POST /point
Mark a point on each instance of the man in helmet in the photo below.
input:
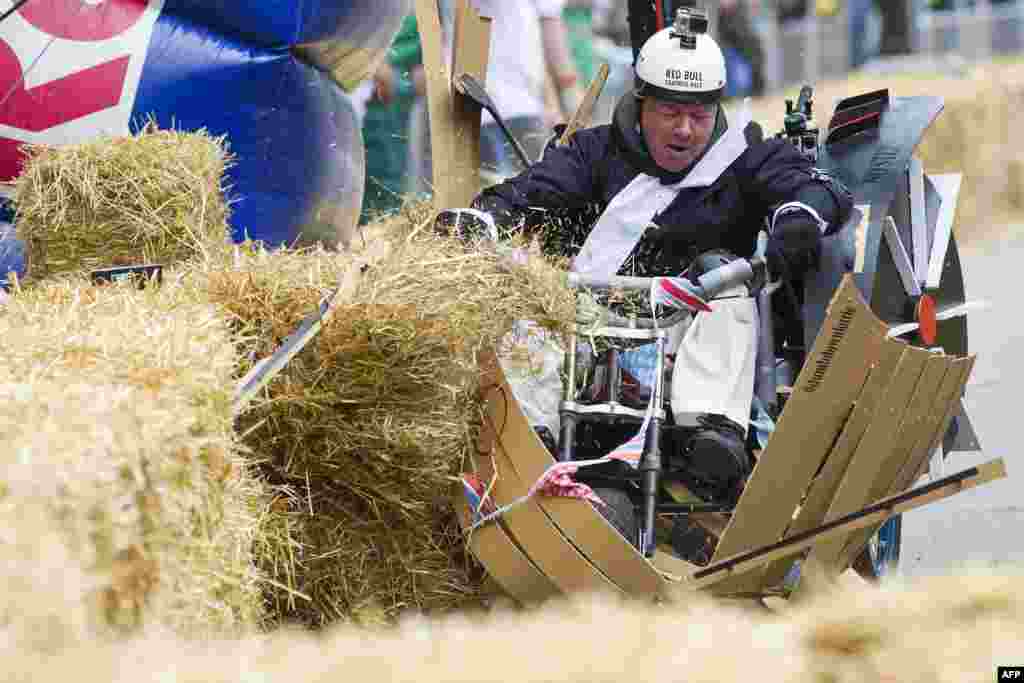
(672, 180)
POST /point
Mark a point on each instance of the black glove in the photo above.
(665, 248)
(469, 225)
(794, 246)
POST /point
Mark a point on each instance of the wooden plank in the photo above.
(930, 433)
(504, 562)
(914, 425)
(717, 575)
(531, 529)
(493, 547)
(918, 462)
(578, 521)
(537, 535)
(877, 450)
(471, 47)
(581, 119)
(439, 99)
(823, 488)
(850, 340)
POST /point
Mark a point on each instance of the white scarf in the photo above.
(627, 216)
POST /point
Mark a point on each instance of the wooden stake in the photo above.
(472, 42)
(454, 122)
(439, 93)
(581, 119)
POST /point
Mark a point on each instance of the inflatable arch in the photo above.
(271, 75)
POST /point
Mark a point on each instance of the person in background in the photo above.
(396, 83)
(791, 10)
(860, 44)
(578, 16)
(896, 28)
(529, 44)
(744, 53)
(610, 20)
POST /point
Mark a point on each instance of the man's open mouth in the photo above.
(678, 149)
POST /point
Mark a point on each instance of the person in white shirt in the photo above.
(528, 42)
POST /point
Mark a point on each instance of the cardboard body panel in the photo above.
(929, 434)
(939, 419)
(492, 546)
(503, 560)
(864, 415)
(915, 420)
(824, 487)
(879, 450)
(538, 537)
(714, 575)
(822, 398)
(589, 532)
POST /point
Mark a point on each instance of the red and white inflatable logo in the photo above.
(69, 71)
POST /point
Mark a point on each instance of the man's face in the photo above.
(676, 134)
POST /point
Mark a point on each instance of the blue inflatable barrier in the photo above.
(265, 74)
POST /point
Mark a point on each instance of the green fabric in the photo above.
(386, 128)
(580, 27)
(405, 54)
(406, 51)
(385, 160)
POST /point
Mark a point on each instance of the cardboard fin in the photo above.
(826, 483)
(880, 452)
(929, 434)
(832, 377)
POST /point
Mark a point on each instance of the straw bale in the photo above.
(945, 629)
(974, 135)
(153, 197)
(366, 428)
(123, 482)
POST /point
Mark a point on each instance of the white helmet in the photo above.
(682, 63)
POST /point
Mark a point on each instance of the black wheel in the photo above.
(619, 511)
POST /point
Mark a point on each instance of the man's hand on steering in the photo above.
(468, 225)
(794, 245)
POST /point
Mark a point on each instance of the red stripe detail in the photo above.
(11, 158)
(61, 100)
(659, 15)
(686, 297)
(859, 119)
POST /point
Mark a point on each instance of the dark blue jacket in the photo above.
(559, 198)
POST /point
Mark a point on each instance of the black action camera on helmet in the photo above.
(690, 22)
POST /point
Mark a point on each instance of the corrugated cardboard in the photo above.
(928, 435)
(833, 375)
(880, 452)
(504, 562)
(823, 488)
(529, 526)
(590, 532)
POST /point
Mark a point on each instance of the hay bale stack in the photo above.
(366, 428)
(975, 134)
(116, 437)
(154, 197)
